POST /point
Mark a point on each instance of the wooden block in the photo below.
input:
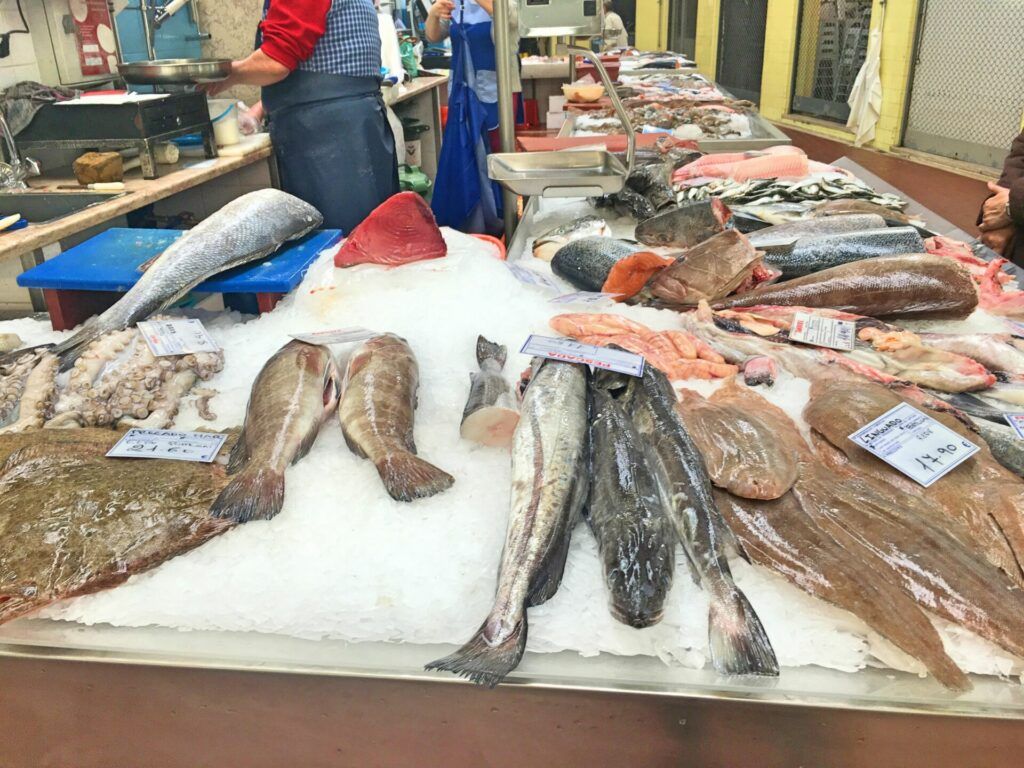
(99, 167)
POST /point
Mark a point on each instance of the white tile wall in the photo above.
(21, 64)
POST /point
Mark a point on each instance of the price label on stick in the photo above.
(176, 337)
(1016, 420)
(823, 331)
(337, 336)
(167, 444)
(570, 351)
(914, 443)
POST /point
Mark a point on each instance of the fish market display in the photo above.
(545, 246)
(1004, 442)
(816, 254)
(377, 411)
(400, 230)
(625, 511)
(587, 262)
(14, 372)
(792, 231)
(628, 202)
(782, 162)
(630, 274)
(681, 118)
(549, 488)
(684, 226)
(37, 396)
(55, 544)
(738, 642)
(294, 393)
(993, 350)
(853, 206)
(891, 286)
(811, 189)
(994, 295)
(707, 272)
(246, 229)
(490, 416)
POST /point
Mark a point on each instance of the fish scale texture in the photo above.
(342, 560)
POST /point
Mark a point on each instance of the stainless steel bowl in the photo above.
(175, 71)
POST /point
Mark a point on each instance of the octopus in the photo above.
(40, 390)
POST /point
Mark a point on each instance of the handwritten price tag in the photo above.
(822, 331)
(176, 337)
(1016, 420)
(167, 444)
(570, 351)
(914, 443)
(337, 336)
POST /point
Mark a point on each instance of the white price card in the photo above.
(1016, 420)
(914, 443)
(176, 337)
(167, 444)
(584, 297)
(570, 351)
(336, 336)
(823, 331)
(529, 277)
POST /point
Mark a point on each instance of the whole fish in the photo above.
(1004, 442)
(246, 229)
(628, 202)
(848, 206)
(685, 226)
(815, 254)
(490, 416)
(294, 393)
(993, 350)
(653, 181)
(625, 511)
(710, 270)
(549, 488)
(587, 262)
(76, 522)
(377, 412)
(913, 286)
(545, 246)
(738, 642)
(781, 235)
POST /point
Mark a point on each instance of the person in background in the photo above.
(464, 197)
(613, 30)
(318, 63)
(1001, 219)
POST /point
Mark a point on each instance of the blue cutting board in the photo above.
(110, 261)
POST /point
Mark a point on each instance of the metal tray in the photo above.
(585, 173)
(175, 71)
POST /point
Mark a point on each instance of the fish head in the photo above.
(634, 599)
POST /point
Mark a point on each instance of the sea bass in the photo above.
(625, 511)
(294, 393)
(246, 229)
(75, 522)
(490, 416)
(738, 642)
(910, 286)
(545, 246)
(782, 235)
(587, 262)
(377, 412)
(815, 254)
(685, 226)
(549, 488)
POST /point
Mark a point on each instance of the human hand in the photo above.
(442, 10)
(998, 239)
(250, 119)
(993, 210)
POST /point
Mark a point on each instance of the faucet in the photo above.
(14, 172)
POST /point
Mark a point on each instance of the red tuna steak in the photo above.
(400, 230)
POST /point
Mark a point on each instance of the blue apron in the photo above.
(464, 198)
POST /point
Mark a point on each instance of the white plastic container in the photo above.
(224, 114)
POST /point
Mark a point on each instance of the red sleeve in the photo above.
(292, 28)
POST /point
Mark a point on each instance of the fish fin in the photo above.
(489, 350)
(11, 607)
(691, 567)
(307, 443)
(483, 663)
(730, 544)
(739, 645)
(148, 263)
(408, 477)
(256, 493)
(70, 349)
(549, 577)
(239, 454)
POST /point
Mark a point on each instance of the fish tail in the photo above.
(739, 645)
(489, 350)
(70, 349)
(485, 663)
(408, 477)
(255, 493)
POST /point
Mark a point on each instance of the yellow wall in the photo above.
(780, 46)
(652, 25)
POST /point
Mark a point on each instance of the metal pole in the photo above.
(506, 118)
(147, 29)
(572, 59)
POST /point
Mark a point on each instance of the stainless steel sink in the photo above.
(43, 207)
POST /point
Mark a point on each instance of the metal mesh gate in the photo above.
(967, 93)
(741, 47)
(831, 46)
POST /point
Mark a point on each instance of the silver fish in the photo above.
(1005, 444)
(248, 228)
(815, 254)
(490, 416)
(546, 245)
(993, 350)
(738, 642)
(549, 487)
(786, 234)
